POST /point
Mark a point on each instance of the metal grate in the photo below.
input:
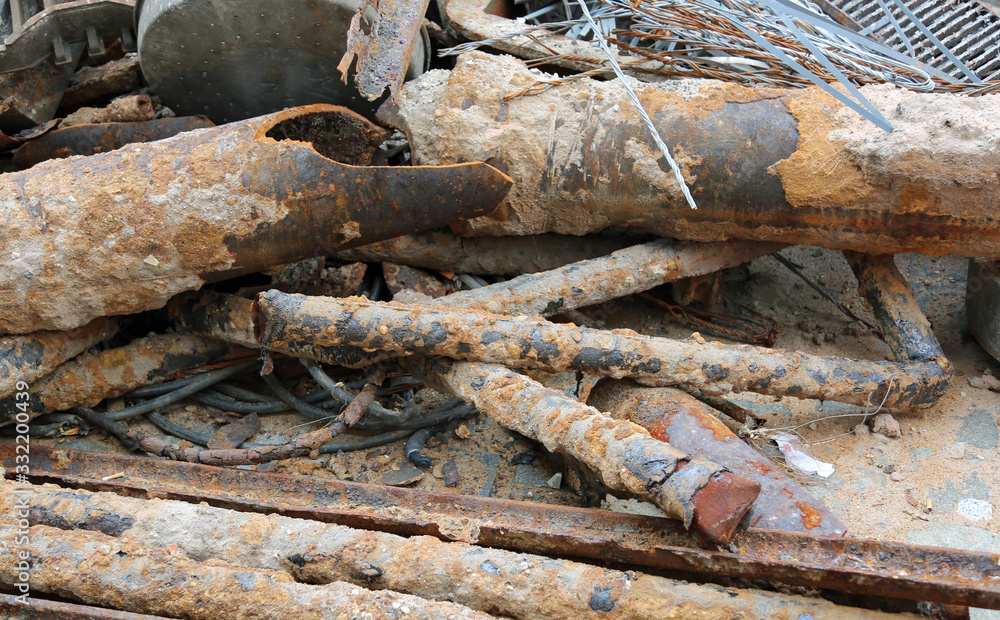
(967, 28)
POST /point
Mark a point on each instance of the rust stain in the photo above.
(811, 517)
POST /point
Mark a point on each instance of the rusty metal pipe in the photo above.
(671, 415)
(903, 325)
(505, 256)
(41, 609)
(786, 165)
(31, 356)
(227, 317)
(303, 325)
(849, 564)
(90, 139)
(122, 232)
(518, 585)
(91, 377)
(121, 572)
(697, 492)
(624, 272)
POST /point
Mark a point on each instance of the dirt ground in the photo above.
(922, 487)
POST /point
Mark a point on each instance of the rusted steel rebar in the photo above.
(849, 564)
(788, 165)
(41, 609)
(124, 573)
(903, 324)
(103, 235)
(505, 256)
(91, 377)
(31, 356)
(624, 272)
(303, 325)
(698, 492)
(227, 317)
(671, 415)
(100, 138)
(517, 585)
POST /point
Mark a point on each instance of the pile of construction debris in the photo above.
(387, 282)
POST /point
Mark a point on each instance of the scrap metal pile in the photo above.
(153, 262)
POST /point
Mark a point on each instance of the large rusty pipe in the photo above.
(305, 326)
(516, 585)
(687, 424)
(788, 165)
(698, 492)
(124, 231)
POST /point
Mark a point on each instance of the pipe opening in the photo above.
(343, 137)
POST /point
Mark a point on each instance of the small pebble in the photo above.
(954, 451)
(896, 476)
(555, 481)
(450, 470)
(463, 431)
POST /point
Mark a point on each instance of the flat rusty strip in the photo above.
(384, 54)
(857, 566)
(88, 139)
(42, 609)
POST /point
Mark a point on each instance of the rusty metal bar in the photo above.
(627, 271)
(103, 570)
(786, 165)
(103, 235)
(303, 325)
(91, 377)
(671, 415)
(849, 564)
(518, 585)
(91, 139)
(31, 356)
(901, 321)
(624, 456)
(42, 609)
(506, 256)
(383, 50)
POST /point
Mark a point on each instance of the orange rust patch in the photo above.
(810, 516)
(818, 174)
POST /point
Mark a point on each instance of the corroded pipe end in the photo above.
(720, 505)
